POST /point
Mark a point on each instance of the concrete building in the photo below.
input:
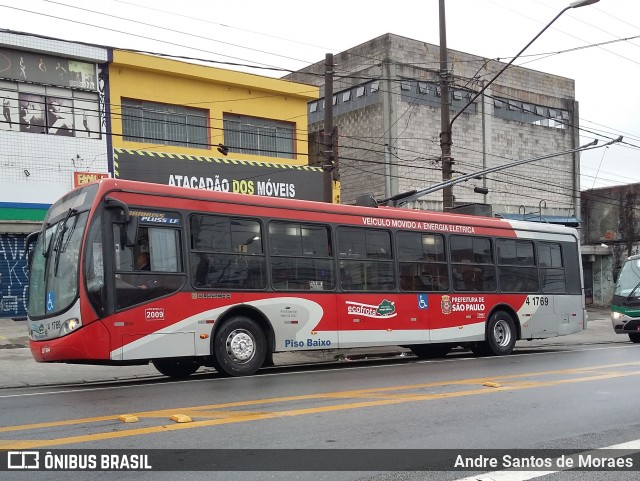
(51, 135)
(387, 108)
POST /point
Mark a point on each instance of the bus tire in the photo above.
(430, 351)
(634, 337)
(501, 334)
(239, 347)
(177, 368)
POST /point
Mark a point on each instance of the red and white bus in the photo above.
(234, 278)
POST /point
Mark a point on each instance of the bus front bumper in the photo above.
(89, 343)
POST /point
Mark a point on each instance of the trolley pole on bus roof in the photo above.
(446, 125)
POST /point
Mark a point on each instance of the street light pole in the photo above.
(447, 197)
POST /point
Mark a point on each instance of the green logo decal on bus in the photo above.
(386, 308)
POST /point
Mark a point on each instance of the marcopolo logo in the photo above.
(383, 310)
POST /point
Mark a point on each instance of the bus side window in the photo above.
(163, 274)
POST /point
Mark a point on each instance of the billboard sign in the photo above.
(81, 178)
(220, 174)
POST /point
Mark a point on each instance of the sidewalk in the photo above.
(18, 369)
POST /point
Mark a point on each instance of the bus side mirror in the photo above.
(132, 231)
(130, 221)
(28, 246)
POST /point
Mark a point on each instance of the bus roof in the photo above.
(110, 184)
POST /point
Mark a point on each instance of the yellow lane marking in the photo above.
(335, 395)
(371, 392)
(53, 424)
(382, 396)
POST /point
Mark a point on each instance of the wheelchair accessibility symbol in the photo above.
(50, 301)
(423, 301)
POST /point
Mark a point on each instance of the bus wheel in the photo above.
(239, 347)
(634, 337)
(501, 334)
(176, 368)
(430, 351)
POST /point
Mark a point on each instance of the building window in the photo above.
(531, 113)
(405, 85)
(457, 95)
(164, 124)
(49, 110)
(346, 96)
(313, 107)
(375, 86)
(423, 88)
(360, 91)
(254, 136)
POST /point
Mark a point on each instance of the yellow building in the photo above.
(178, 123)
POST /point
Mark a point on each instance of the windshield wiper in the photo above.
(62, 228)
(633, 291)
(73, 228)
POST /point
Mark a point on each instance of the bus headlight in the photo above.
(619, 316)
(70, 325)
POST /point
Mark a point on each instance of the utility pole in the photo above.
(445, 124)
(328, 140)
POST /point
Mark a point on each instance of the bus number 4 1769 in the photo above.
(538, 300)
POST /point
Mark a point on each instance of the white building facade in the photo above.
(52, 136)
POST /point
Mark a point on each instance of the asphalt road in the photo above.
(574, 397)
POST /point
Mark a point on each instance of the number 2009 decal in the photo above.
(154, 313)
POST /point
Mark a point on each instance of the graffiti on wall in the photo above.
(14, 281)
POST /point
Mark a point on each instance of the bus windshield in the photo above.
(53, 276)
(628, 284)
(53, 284)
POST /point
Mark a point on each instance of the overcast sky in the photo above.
(290, 34)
